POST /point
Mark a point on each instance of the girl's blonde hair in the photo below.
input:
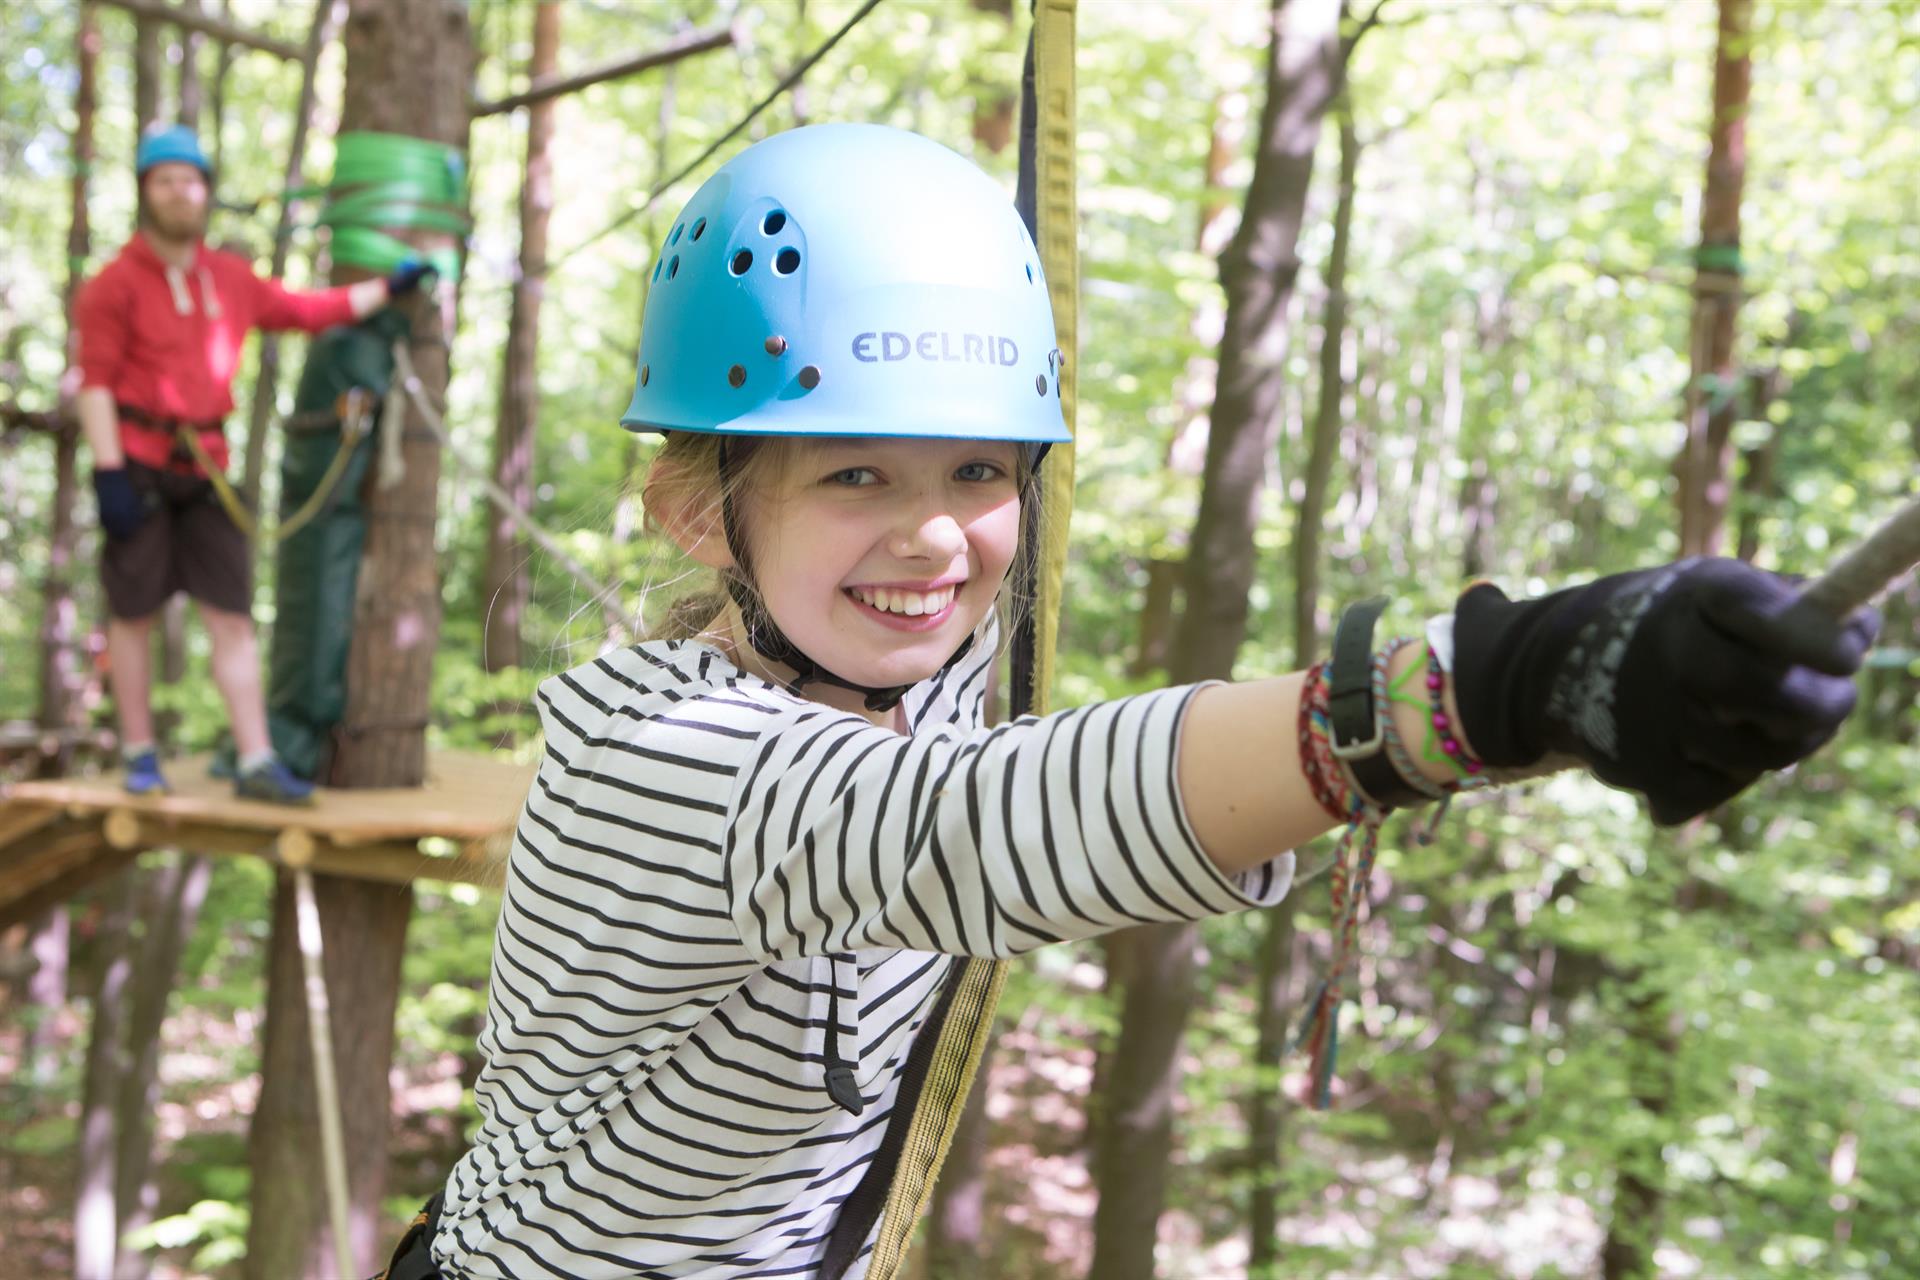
(686, 475)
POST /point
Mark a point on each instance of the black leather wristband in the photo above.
(1354, 723)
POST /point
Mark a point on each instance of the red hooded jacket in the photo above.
(166, 341)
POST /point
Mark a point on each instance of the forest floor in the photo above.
(1375, 1213)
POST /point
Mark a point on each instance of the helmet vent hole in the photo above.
(810, 377)
(657, 264)
(1029, 273)
(1040, 384)
(674, 239)
(698, 229)
(741, 261)
(645, 372)
(772, 223)
(673, 268)
(787, 261)
(737, 376)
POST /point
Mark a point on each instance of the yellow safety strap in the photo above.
(353, 425)
(963, 1040)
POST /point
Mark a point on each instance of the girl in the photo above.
(755, 857)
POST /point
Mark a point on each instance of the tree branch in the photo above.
(16, 420)
(554, 86)
(218, 28)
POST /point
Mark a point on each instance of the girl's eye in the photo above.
(853, 477)
(976, 472)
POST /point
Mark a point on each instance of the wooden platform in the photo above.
(58, 835)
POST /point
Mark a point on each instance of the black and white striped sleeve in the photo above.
(842, 835)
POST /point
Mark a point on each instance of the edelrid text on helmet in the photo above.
(843, 280)
(971, 348)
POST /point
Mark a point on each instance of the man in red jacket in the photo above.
(160, 331)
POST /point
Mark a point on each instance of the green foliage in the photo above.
(1525, 219)
(216, 1231)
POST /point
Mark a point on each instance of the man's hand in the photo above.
(122, 508)
(406, 277)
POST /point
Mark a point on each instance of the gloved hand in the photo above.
(406, 277)
(122, 507)
(1677, 682)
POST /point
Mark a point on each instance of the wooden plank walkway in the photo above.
(59, 834)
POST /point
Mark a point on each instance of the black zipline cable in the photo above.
(792, 78)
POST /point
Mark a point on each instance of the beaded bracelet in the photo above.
(1439, 743)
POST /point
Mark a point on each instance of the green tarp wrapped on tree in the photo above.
(318, 568)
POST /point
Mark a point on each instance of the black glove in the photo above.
(406, 277)
(123, 508)
(1680, 682)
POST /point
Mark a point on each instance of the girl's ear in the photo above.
(691, 516)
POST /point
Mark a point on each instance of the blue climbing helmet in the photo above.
(848, 280)
(172, 144)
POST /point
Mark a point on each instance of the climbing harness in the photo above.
(353, 413)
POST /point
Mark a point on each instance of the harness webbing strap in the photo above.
(966, 1031)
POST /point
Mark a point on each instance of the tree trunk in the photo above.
(1156, 616)
(409, 71)
(96, 1213)
(504, 589)
(222, 64)
(1712, 402)
(1267, 1109)
(266, 383)
(191, 96)
(1259, 271)
(173, 893)
(63, 674)
(1639, 1202)
(146, 73)
(409, 67)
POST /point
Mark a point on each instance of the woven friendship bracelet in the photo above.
(1324, 777)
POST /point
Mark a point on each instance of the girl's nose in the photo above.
(929, 534)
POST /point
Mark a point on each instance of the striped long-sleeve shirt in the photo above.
(703, 859)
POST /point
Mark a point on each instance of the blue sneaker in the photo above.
(274, 783)
(143, 775)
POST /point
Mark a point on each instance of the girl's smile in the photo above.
(878, 557)
(907, 607)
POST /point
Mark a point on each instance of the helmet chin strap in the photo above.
(765, 635)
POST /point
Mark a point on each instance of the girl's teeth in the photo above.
(912, 604)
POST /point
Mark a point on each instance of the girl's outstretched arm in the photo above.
(1240, 771)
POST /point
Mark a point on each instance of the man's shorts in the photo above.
(187, 543)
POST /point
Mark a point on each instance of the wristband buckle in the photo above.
(1357, 750)
(1354, 727)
